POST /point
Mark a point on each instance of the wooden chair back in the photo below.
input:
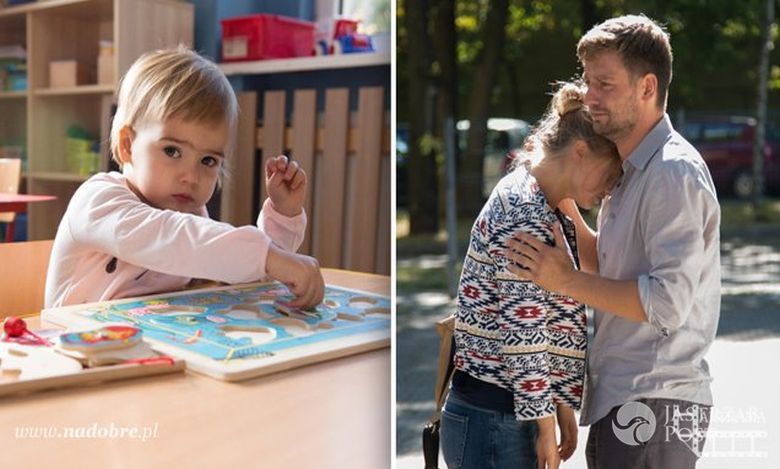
(10, 173)
(23, 277)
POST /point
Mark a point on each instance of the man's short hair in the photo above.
(642, 44)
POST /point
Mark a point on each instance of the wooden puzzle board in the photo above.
(85, 377)
(238, 332)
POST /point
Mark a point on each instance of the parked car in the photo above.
(504, 137)
(726, 144)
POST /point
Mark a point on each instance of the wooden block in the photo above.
(106, 69)
(66, 73)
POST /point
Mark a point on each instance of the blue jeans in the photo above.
(473, 437)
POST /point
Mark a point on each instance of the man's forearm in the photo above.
(619, 297)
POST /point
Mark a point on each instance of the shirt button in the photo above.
(612, 216)
(603, 255)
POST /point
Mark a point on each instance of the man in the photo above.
(657, 254)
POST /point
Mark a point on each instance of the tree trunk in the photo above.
(444, 41)
(761, 101)
(485, 71)
(589, 15)
(422, 172)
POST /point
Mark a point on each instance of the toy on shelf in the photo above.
(67, 74)
(105, 63)
(13, 68)
(82, 151)
(263, 36)
(340, 36)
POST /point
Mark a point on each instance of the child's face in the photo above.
(174, 164)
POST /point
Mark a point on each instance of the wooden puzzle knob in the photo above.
(14, 327)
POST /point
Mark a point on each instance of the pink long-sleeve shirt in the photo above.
(155, 250)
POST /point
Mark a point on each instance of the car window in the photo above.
(497, 142)
(692, 131)
(721, 132)
(772, 132)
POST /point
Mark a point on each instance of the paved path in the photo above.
(746, 423)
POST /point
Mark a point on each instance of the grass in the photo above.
(414, 278)
(736, 213)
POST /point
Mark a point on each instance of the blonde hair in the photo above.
(174, 83)
(566, 120)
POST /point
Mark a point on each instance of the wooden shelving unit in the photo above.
(40, 116)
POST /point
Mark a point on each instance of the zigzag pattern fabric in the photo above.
(510, 332)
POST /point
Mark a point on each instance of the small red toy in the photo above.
(16, 331)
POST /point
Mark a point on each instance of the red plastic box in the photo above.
(258, 37)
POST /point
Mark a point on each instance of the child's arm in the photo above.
(105, 216)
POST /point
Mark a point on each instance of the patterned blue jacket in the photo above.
(510, 332)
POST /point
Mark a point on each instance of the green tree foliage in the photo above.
(716, 46)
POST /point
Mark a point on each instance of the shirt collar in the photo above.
(650, 145)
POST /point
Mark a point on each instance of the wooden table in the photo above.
(17, 203)
(334, 414)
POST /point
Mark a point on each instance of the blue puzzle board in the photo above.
(232, 326)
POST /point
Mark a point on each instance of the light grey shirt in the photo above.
(660, 227)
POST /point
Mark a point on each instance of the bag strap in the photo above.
(446, 367)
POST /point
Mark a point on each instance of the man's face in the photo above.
(612, 96)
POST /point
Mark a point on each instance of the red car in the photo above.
(726, 144)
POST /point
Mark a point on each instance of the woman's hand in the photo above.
(547, 455)
(567, 423)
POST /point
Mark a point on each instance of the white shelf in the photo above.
(13, 94)
(57, 176)
(75, 90)
(302, 64)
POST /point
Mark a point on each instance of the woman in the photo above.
(520, 350)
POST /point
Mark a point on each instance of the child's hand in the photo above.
(300, 273)
(285, 182)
